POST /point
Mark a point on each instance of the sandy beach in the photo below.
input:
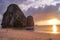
(13, 34)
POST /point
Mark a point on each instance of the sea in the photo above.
(46, 28)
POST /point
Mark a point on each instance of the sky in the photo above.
(34, 8)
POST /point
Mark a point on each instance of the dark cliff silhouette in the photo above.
(30, 23)
(13, 17)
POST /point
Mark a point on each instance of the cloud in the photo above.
(26, 4)
(36, 4)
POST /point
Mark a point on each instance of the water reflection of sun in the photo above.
(54, 29)
(54, 22)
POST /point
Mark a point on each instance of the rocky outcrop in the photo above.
(13, 17)
(30, 22)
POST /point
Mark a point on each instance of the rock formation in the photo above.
(13, 17)
(30, 22)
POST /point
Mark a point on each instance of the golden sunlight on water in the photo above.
(54, 22)
(54, 29)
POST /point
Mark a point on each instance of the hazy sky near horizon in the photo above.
(34, 7)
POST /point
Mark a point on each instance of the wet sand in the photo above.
(13, 34)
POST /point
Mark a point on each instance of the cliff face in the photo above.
(13, 17)
(30, 22)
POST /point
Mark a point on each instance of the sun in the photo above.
(54, 22)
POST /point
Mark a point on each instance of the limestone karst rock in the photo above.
(13, 17)
(30, 22)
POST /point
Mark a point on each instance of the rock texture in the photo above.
(13, 17)
(30, 22)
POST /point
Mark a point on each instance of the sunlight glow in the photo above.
(54, 29)
(54, 22)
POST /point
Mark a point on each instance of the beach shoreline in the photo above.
(13, 34)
